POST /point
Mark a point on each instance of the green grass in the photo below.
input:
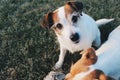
(28, 52)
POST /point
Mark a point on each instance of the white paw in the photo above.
(58, 65)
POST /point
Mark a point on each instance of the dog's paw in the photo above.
(58, 65)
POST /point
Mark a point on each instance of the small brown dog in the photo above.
(88, 58)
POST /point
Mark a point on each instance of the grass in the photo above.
(28, 52)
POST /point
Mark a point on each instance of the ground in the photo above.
(27, 51)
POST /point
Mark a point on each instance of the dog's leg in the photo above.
(61, 58)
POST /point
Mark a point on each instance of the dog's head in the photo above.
(64, 21)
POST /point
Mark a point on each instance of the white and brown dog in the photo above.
(108, 59)
(82, 65)
(75, 30)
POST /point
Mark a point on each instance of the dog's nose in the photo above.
(75, 37)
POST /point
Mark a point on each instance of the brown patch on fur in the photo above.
(68, 10)
(72, 6)
(89, 57)
(97, 74)
(82, 65)
(49, 19)
(76, 6)
(55, 16)
(56, 20)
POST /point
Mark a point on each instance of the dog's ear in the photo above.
(90, 56)
(76, 6)
(47, 21)
(90, 53)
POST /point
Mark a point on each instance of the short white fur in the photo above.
(108, 57)
(87, 29)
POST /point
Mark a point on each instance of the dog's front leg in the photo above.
(61, 58)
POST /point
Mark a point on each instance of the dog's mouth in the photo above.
(77, 41)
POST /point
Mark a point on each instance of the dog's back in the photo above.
(109, 55)
(112, 43)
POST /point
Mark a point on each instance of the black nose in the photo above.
(74, 37)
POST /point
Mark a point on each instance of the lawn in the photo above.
(27, 51)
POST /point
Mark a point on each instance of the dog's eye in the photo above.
(59, 26)
(74, 19)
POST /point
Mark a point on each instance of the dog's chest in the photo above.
(75, 47)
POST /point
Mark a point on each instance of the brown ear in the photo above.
(76, 6)
(90, 53)
(47, 21)
(90, 56)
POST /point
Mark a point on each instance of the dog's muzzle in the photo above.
(75, 37)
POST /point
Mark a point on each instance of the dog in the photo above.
(75, 30)
(108, 58)
(82, 65)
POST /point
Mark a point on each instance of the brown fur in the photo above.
(68, 10)
(55, 16)
(75, 6)
(89, 57)
(82, 65)
(49, 19)
(70, 7)
(56, 19)
(97, 75)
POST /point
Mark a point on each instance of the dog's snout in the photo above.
(75, 37)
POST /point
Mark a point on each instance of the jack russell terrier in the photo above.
(108, 59)
(75, 30)
(82, 65)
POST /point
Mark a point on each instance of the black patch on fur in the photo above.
(76, 6)
(48, 21)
